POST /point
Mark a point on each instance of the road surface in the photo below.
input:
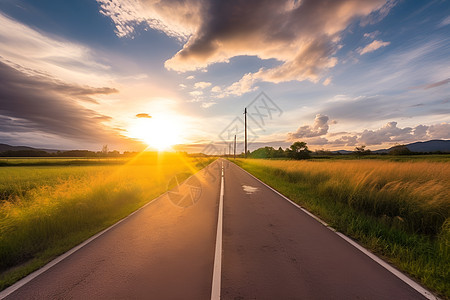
(270, 249)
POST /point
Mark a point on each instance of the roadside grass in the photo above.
(399, 210)
(384, 157)
(45, 211)
(61, 161)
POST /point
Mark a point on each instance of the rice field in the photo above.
(47, 209)
(399, 210)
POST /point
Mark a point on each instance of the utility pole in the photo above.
(245, 114)
(234, 147)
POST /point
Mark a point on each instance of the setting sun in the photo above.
(157, 132)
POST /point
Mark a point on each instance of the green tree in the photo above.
(361, 150)
(400, 150)
(298, 150)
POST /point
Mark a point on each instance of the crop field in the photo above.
(48, 206)
(399, 210)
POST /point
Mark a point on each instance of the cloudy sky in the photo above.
(127, 73)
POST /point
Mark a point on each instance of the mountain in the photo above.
(5, 147)
(430, 146)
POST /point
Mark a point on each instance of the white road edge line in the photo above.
(420, 289)
(11, 289)
(217, 271)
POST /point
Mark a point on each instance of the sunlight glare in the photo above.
(157, 132)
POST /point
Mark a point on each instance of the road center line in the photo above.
(217, 272)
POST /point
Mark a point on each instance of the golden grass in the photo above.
(415, 192)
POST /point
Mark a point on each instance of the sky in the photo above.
(132, 73)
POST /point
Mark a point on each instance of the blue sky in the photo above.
(338, 74)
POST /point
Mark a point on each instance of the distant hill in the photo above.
(428, 146)
(343, 151)
(5, 147)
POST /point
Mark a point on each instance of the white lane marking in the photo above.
(292, 202)
(11, 289)
(420, 289)
(248, 189)
(217, 272)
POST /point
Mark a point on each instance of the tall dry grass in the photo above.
(415, 194)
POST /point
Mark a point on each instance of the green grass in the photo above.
(60, 161)
(47, 210)
(399, 210)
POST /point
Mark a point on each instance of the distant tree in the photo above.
(361, 150)
(280, 153)
(400, 150)
(25, 153)
(298, 150)
(323, 152)
(114, 153)
(77, 153)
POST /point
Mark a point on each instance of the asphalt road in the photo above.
(270, 250)
(164, 251)
(273, 250)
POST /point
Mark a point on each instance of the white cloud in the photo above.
(346, 140)
(37, 54)
(371, 35)
(190, 77)
(390, 133)
(439, 131)
(376, 44)
(379, 14)
(216, 89)
(178, 19)
(319, 128)
(208, 104)
(327, 81)
(202, 85)
(444, 22)
(245, 85)
(196, 93)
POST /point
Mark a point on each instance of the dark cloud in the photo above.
(143, 115)
(303, 35)
(42, 104)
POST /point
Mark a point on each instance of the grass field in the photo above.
(53, 205)
(399, 210)
(58, 161)
(399, 158)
